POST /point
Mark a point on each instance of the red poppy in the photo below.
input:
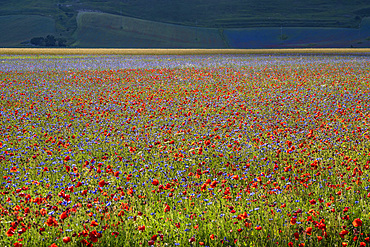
(309, 230)
(102, 183)
(85, 242)
(63, 216)
(155, 182)
(343, 233)
(51, 221)
(10, 232)
(293, 221)
(154, 237)
(66, 239)
(94, 223)
(357, 222)
(94, 236)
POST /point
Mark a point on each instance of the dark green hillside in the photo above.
(220, 14)
(240, 13)
(205, 13)
(64, 18)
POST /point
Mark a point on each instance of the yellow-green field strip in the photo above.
(107, 51)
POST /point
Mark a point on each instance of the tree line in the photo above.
(49, 40)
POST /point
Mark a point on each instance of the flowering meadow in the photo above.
(232, 150)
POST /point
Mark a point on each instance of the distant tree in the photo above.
(39, 41)
(50, 40)
(283, 37)
(62, 42)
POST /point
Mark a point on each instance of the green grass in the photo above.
(64, 18)
(107, 30)
(237, 13)
(196, 13)
(205, 13)
(15, 29)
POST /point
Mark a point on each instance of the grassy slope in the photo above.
(205, 13)
(240, 13)
(106, 30)
(64, 19)
(223, 14)
(18, 28)
(299, 37)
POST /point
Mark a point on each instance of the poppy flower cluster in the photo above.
(185, 150)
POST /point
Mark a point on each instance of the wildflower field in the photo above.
(207, 150)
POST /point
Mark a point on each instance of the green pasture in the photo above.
(237, 13)
(106, 30)
(20, 28)
(188, 15)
